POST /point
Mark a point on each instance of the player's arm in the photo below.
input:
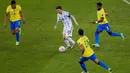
(82, 48)
(58, 21)
(74, 20)
(22, 17)
(101, 20)
(106, 12)
(5, 18)
(21, 14)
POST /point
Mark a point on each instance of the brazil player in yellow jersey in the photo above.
(16, 15)
(103, 25)
(88, 53)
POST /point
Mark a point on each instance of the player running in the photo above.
(66, 18)
(103, 25)
(16, 15)
(88, 53)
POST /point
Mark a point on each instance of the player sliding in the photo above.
(66, 18)
(88, 53)
(16, 15)
(103, 25)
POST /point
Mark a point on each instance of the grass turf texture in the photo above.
(38, 51)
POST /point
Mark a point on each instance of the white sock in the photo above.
(67, 42)
(70, 39)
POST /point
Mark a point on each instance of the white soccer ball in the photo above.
(62, 49)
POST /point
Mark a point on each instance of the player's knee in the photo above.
(13, 33)
(97, 32)
(16, 31)
(96, 61)
(80, 62)
(110, 33)
(65, 37)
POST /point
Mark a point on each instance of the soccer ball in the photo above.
(62, 49)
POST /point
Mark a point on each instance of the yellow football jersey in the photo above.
(101, 13)
(85, 42)
(14, 13)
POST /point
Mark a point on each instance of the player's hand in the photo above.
(94, 22)
(23, 21)
(55, 27)
(77, 24)
(106, 14)
(4, 24)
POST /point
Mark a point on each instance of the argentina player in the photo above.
(66, 18)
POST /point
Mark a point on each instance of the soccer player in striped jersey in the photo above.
(66, 18)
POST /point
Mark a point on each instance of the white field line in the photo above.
(126, 1)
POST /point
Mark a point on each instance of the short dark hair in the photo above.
(13, 2)
(58, 7)
(81, 31)
(99, 4)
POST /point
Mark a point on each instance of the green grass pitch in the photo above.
(38, 50)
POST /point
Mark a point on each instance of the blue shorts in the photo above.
(15, 24)
(92, 57)
(102, 27)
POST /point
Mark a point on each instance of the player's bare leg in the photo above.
(16, 30)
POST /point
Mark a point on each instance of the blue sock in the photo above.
(115, 34)
(17, 37)
(103, 65)
(83, 67)
(97, 37)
